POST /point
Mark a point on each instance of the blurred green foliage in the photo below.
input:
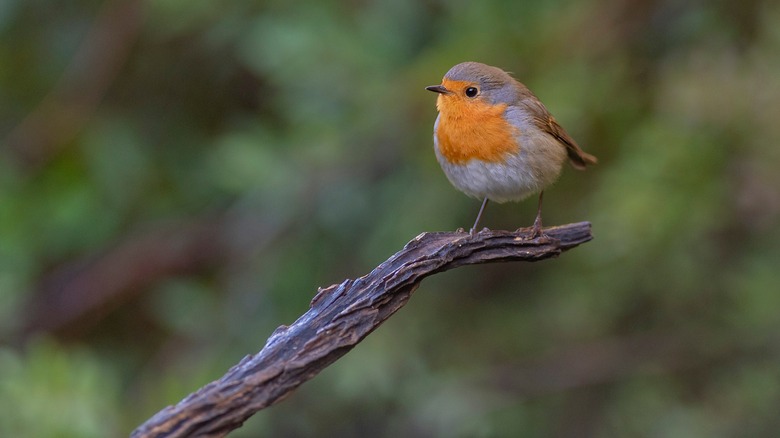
(178, 177)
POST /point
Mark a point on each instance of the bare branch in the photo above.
(341, 316)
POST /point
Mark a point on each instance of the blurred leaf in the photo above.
(50, 391)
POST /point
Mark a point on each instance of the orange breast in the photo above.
(474, 130)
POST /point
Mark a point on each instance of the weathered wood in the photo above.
(341, 316)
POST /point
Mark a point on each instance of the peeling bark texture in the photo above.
(341, 316)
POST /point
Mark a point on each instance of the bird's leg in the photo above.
(479, 216)
(536, 230)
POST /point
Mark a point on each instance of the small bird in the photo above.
(496, 141)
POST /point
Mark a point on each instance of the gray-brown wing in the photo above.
(546, 122)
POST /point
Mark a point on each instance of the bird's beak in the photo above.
(438, 89)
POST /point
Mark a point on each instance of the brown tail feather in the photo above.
(579, 158)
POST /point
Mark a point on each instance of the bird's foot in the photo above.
(474, 231)
(536, 233)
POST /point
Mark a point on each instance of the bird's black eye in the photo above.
(471, 91)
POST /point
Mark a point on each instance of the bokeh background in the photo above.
(177, 177)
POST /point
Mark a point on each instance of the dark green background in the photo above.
(177, 177)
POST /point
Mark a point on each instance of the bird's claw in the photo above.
(536, 234)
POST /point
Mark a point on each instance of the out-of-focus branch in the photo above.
(339, 318)
(84, 290)
(73, 100)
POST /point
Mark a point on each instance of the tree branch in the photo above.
(341, 316)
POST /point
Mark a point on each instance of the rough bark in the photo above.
(341, 316)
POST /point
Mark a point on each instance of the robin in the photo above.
(496, 141)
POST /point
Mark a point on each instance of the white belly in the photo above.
(519, 177)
